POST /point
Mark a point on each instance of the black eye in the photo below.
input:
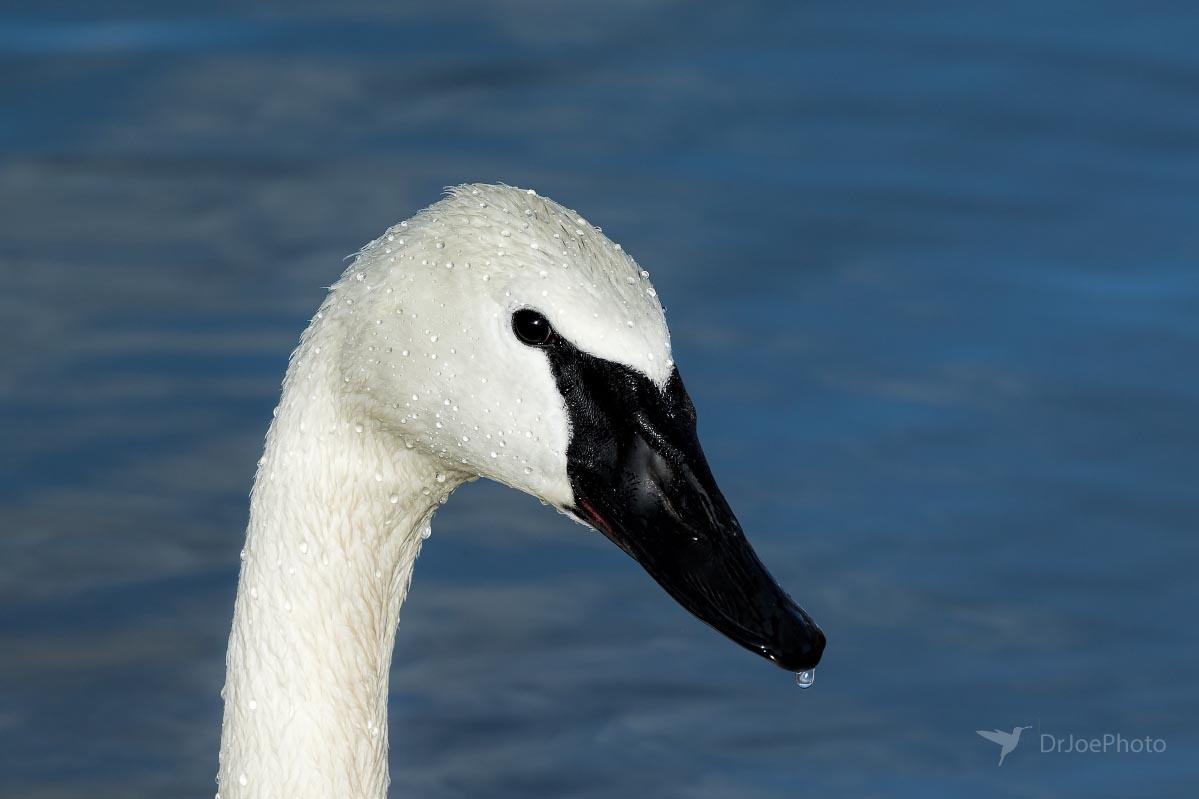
(531, 327)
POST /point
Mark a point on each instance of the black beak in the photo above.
(640, 477)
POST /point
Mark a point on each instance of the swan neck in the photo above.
(337, 514)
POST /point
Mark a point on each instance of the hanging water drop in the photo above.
(805, 679)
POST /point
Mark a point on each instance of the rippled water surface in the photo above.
(931, 273)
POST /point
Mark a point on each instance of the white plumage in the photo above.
(407, 383)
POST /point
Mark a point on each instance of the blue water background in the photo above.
(932, 271)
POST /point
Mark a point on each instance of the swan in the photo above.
(497, 334)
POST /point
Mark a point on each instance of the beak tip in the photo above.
(799, 648)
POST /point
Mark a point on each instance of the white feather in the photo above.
(407, 383)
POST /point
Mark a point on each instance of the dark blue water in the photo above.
(933, 277)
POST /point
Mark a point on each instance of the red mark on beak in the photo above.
(593, 516)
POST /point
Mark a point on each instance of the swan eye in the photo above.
(531, 327)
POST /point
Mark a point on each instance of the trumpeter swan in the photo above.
(494, 334)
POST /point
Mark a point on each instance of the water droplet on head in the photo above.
(805, 679)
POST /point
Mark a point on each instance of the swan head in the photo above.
(505, 336)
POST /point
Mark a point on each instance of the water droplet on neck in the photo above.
(805, 679)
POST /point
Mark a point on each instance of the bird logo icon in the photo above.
(1008, 741)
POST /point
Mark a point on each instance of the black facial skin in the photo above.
(640, 477)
